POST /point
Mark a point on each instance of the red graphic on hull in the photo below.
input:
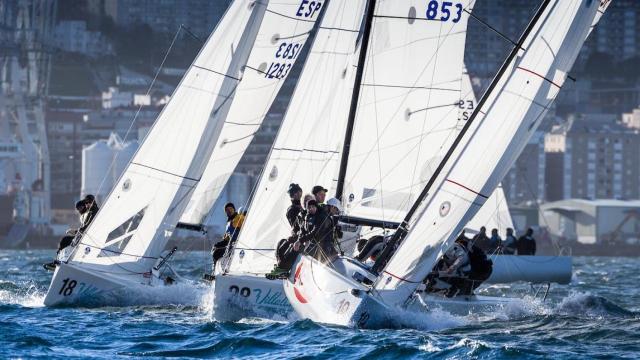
(297, 292)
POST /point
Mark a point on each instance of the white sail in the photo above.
(140, 214)
(507, 119)
(494, 214)
(408, 105)
(308, 146)
(284, 32)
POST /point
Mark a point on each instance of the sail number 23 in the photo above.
(442, 11)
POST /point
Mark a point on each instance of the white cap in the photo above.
(335, 203)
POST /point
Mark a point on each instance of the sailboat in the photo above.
(345, 293)
(306, 151)
(214, 111)
(320, 105)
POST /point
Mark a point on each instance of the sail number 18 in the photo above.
(67, 287)
(442, 11)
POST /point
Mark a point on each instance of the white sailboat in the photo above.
(346, 293)
(306, 151)
(220, 101)
(300, 155)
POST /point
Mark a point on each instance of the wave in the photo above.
(581, 304)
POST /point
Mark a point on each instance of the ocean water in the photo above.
(596, 316)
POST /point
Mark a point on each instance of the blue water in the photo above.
(597, 316)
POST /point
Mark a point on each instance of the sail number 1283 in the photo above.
(443, 11)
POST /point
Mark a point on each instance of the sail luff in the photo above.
(355, 96)
(381, 261)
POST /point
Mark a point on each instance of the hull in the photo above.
(244, 296)
(532, 269)
(332, 295)
(73, 285)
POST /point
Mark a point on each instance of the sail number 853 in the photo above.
(443, 11)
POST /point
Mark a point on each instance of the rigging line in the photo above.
(118, 252)
(338, 29)
(381, 261)
(403, 17)
(292, 36)
(225, 142)
(308, 150)
(431, 107)
(165, 172)
(191, 33)
(258, 70)
(540, 76)
(242, 124)
(493, 29)
(216, 72)
(466, 188)
(410, 87)
(135, 116)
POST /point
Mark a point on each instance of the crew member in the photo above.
(509, 244)
(295, 193)
(234, 224)
(527, 244)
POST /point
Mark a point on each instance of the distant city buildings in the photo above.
(200, 16)
(593, 157)
(73, 36)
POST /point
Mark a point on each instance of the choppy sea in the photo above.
(596, 316)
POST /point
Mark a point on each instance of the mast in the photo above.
(355, 96)
(381, 261)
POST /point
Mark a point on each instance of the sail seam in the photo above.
(165, 172)
(287, 16)
(410, 87)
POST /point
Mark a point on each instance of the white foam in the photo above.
(29, 296)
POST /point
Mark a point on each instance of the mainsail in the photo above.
(408, 106)
(307, 148)
(140, 214)
(285, 29)
(506, 117)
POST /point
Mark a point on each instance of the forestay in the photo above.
(284, 32)
(408, 106)
(509, 116)
(307, 148)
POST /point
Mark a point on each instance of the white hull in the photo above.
(73, 285)
(532, 269)
(322, 294)
(243, 296)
